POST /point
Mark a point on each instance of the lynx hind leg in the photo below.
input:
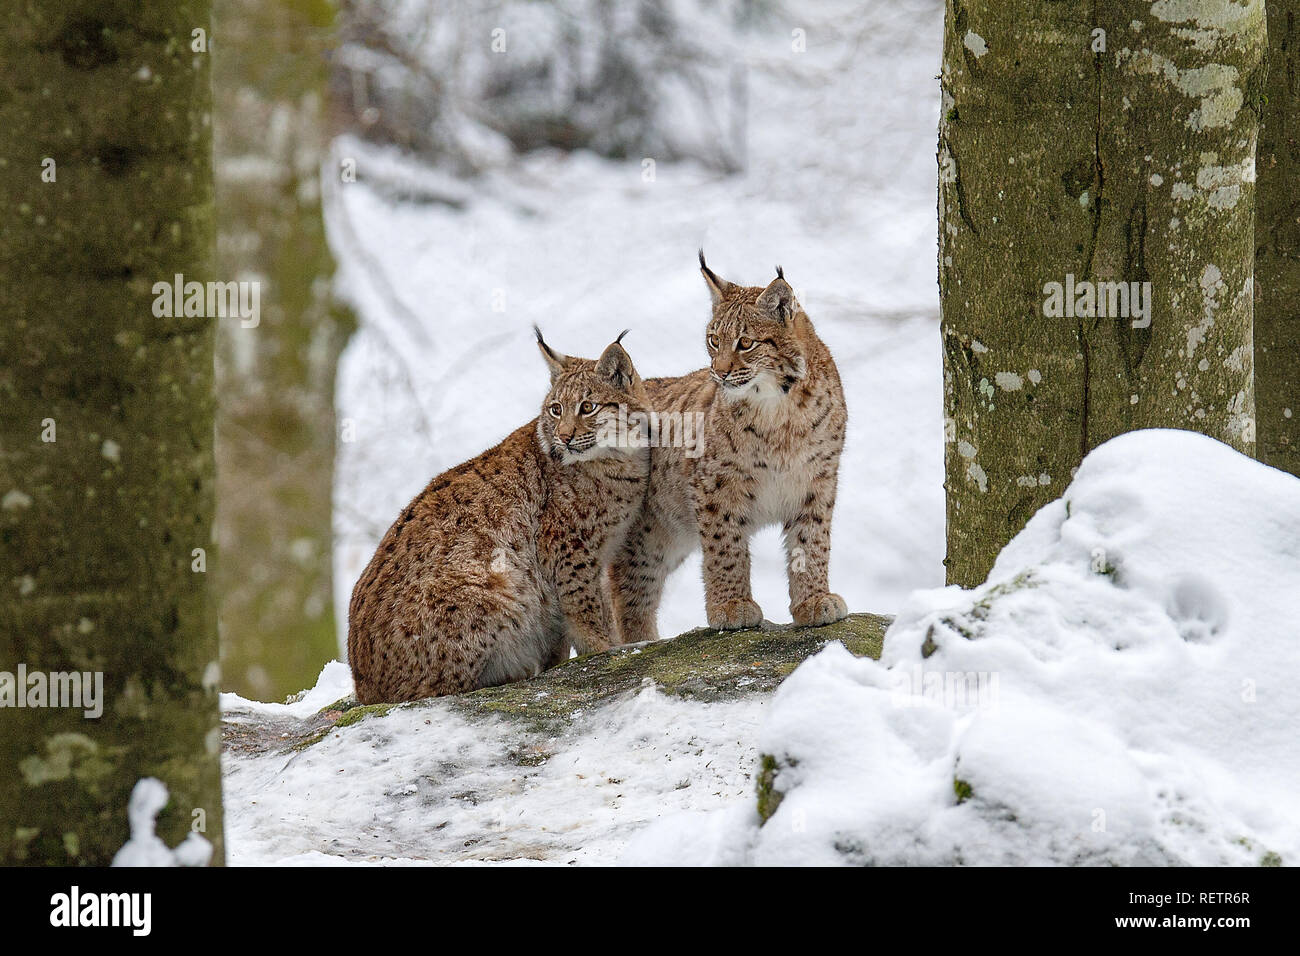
(523, 642)
(420, 661)
(474, 637)
(635, 593)
(651, 553)
(636, 582)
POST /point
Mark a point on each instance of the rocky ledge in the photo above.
(703, 665)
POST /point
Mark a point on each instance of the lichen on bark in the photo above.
(1277, 245)
(276, 426)
(1125, 156)
(106, 469)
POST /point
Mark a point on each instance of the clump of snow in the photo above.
(334, 683)
(1120, 691)
(145, 848)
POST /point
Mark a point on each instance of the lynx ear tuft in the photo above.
(778, 299)
(554, 360)
(718, 287)
(615, 365)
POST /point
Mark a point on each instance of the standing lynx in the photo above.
(501, 563)
(773, 430)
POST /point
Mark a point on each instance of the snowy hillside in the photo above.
(1120, 692)
(448, 274)
(1117, 693)
(562, 768)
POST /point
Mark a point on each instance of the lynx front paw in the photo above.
(820, 609)
(730, 615)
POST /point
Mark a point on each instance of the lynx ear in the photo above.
(778, 299)
(554, 360)
(615, 365)
(718, 287)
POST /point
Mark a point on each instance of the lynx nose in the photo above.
(565, 437)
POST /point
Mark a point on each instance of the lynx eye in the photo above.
(713, 341)
(586, 408)
(555, 410)
(745, 344)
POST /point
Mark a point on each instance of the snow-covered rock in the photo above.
(1122, 690)
(562, 768)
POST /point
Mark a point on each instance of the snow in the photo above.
(145, 848)
(1138, 651)
(1118, 692)
(448, 275)
(1124, 693)
(424, 785)
(334, 683)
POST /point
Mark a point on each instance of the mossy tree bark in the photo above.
(275, 416)
(106, 422)
(1277, 245)
(1123, 156)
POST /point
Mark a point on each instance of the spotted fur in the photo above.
(501, 564)
(773, 432)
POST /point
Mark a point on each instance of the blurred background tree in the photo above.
(450, 81)
(430, 78)
(276, 428)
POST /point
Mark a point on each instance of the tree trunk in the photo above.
(1277, 245)
(106, 469)
(1067, 156)
(275, 417)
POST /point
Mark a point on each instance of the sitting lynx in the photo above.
(773, 430)
(500, 564)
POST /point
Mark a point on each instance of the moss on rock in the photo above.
(703, 664)
(769, 798)
(359, 712)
